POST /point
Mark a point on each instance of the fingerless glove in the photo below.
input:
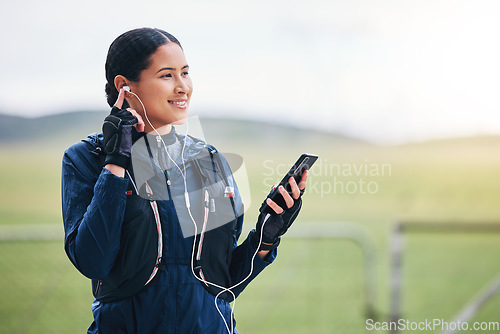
(273, 226)
(117, 133)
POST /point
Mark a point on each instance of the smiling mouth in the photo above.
(178, 103)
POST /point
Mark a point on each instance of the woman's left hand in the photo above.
(297, 191)
(270, 227)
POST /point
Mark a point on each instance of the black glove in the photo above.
(274, 225)
(117, 132)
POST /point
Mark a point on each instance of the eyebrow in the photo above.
(171, 68)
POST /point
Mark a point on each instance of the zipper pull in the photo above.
(229, 191)
(212, 205)
(167, 177)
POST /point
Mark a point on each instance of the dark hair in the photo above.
(130, 54)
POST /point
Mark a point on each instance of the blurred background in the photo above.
(398, 98)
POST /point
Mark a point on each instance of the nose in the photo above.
(182, 86)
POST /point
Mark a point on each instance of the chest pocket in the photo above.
(213, 251)
(216, 191)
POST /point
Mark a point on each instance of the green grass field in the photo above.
(316, 285)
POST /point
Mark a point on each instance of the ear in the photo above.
(121, 81)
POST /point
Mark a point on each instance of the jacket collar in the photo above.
(194, 146)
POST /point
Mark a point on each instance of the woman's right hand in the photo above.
(139, 126)
(117, 132)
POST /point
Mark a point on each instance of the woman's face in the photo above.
(164, 87)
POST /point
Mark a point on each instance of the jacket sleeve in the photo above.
(93, 207)
(241, 262)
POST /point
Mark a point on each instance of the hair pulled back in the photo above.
(129, 55)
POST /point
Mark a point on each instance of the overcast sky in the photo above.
(387, 71)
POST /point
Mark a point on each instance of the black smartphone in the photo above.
(304, 162)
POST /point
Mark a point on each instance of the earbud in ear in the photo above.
(126, 88)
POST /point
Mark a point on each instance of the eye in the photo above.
(167, 75)
(186, 73)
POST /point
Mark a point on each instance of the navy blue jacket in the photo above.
(103, 222)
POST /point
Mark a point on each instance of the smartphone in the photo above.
(304, 162)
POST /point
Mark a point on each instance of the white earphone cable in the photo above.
(188, 206)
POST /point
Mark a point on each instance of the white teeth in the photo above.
(181, 103)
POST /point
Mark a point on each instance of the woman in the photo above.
(162, 252)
